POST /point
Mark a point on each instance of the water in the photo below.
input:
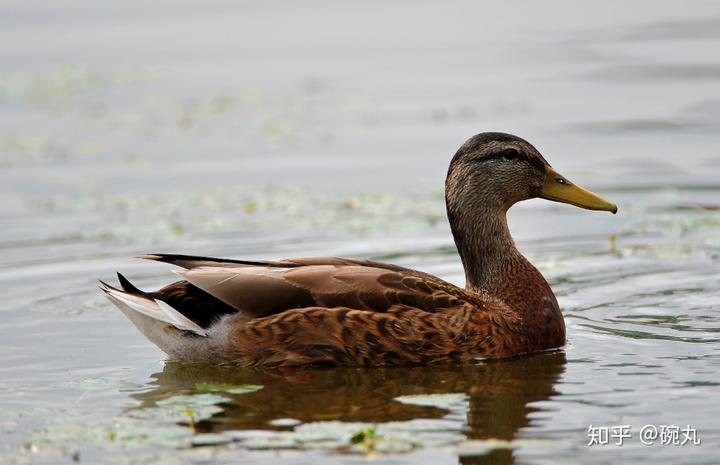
(264, 130)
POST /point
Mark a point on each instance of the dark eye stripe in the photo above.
(502, 155)
(510, 154)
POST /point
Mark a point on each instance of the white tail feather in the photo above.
(180, 320)
(145, 306)
(155, 319)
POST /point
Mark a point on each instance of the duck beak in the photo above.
(559, 189)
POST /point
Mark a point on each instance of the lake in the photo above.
(270, 130)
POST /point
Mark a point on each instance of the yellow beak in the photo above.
(559, 189)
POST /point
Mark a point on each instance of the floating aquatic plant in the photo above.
(446, 401)
(229, 388)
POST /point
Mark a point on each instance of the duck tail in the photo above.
(159, 322)
(127, 286)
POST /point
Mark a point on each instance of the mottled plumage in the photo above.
(342, 311)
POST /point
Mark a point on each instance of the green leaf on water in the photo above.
(192, 401)
(182, 408)
(229, 388)
(363, 435)
(97, 384)
(446, 401)
(210, 439)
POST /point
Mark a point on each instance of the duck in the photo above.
(334, 311)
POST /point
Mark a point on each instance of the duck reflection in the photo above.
(499, 393)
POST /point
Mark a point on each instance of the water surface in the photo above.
(263, 130)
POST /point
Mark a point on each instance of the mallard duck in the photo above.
(348, 311)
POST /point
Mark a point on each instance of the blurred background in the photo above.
(273, 129)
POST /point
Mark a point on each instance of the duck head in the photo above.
(493, 171)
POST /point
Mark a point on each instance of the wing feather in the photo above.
(260, 291)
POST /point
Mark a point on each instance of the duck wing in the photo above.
(263, 288)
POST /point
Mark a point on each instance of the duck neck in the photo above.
(486, 248)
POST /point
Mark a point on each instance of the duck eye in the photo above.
(510, 154)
